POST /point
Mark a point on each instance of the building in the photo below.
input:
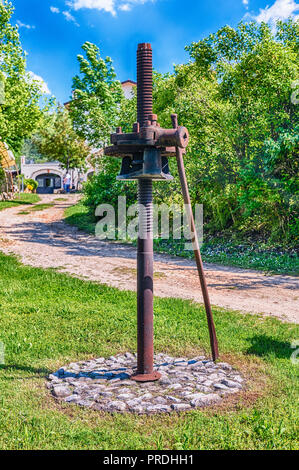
(128, 87)
(50, 175)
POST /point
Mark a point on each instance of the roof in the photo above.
(129, 81)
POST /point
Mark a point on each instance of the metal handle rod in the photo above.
(197, 254)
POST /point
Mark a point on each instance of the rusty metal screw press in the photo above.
(145, 252)
(144, 153)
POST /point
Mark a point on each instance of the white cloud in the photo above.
(125, 7)
(67, 14)
(245, 3)
(280, 10)
(106, 5)
(23, 25)
(43, 85)
(110, 6)
(54, 10)
(69, 17)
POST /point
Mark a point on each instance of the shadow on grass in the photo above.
(263, 345)
(40, 371)
(18, 202)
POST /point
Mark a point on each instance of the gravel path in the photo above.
(43, 239)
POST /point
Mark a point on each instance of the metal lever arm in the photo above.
(199, 263)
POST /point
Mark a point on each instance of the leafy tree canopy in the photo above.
(57, 139)
(20, 111)
(97, 96)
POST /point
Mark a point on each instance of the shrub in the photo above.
(31, 184)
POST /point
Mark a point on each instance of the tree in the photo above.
(20, 111)
(97, 97)
(255, 70)
(58, 140)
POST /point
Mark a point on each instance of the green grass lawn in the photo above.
(36, 208)
(20, 200)
(48, 319)
(248, 254)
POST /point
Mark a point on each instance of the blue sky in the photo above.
(53, 31)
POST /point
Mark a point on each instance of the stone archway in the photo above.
(48, 182)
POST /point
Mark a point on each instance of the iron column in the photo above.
(145, 270)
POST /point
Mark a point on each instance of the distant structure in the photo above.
(49, 175)
(128, 87)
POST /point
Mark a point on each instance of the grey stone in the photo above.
(239, 379)
(134, 402)
(99, 407)
(220, 387)
(231, 383)
(56, 381)
(53, 377)
(186, 393)
(175, 386)
(122, 389)
(173, 399)
(200, 378)
(126, 383)
(196, 396)
(117, 406)
(203, 389)
(198, 367)
(158, 409)
(207, 383)
(100, 360)
(85, 403)
(214, 377)
(146, 396)
(165, 381)
(114, 380)
(180, 406)
(72, 398)
(224, 365)
(205, 400)
(138, 409)
(125, 396)
(84, 379)
(106, 394)
(61, 391)
(160, 400)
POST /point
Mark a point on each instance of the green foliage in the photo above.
(44, 326)
(57, 139)
(254, 72)
(103, 188)
(20, 112)
(29, 182)
(30, 151)
(97, 96)
(2, 177)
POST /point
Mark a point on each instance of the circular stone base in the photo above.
(106, 385)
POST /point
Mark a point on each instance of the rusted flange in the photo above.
(146, 377)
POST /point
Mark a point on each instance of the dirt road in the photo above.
(43, 239)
